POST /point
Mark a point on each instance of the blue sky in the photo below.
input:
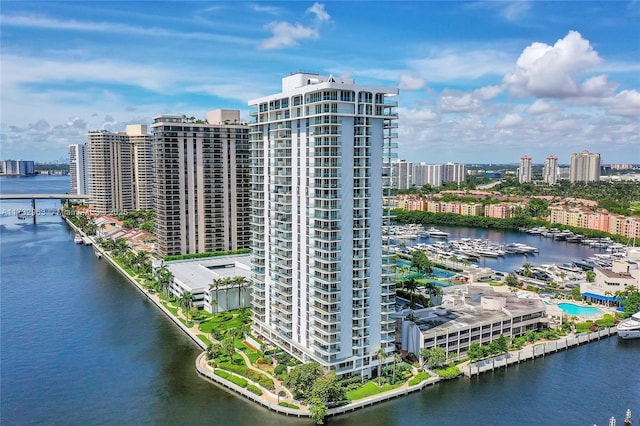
(479, 82)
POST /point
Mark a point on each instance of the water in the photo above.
(572, 309)
(79, 345)
(550, 251)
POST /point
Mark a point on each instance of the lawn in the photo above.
(369, 389)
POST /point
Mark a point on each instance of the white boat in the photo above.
(77, 239)
(629, 328)
(436, 233)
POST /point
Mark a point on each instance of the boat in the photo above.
(436, 233)
(629, 328)
(77, 239)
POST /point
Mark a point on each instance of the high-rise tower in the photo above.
(78, 168)
(525, 171)
(585, 167)
(550, 170)
(201, 183)
(321, 161)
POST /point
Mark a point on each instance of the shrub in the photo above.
(233, 379)
(280, 369)
(288, 405)
(449, 372)
(421, 377)
(254, 389)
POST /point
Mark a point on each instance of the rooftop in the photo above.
(198, 274)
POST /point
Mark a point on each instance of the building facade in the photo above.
(454, 172)
(322, 284)
(550, 170)
(18, 168)
(585, 167)
(525, 171)
(201, 183)
(118, 170)
(78, 164)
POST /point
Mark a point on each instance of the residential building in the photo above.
(585, 167)
(453, 172)
(78, 164)
(322, 283)
(402, 174)
(469, 314)
(218, 284)
(550, 170)
(18, 168)
(623, 274)
(201, 183)
(525, 171)
(119, 165)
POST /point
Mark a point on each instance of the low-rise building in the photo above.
(200, 276)
(469, 314)
(624, 274)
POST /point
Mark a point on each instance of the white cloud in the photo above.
(510, 120)
(318, 10)
(540, 107)
(458, 102)
(286, 34)
(550, 71)
(488, 92)
(515, 10)
(625, 103)
(411, 82)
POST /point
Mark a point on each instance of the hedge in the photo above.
(244, 371)
(254, 389)
(449, 373)
(233, 379)
(286, 404)
(421, 377)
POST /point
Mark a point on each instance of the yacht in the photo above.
(630, 328)
(77, 239)
(436, 233)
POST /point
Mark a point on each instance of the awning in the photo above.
(601, 297)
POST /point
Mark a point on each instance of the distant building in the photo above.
(78, 167)
(550, 170)
(18, 168)
(585, 167)
(202, 183)
(525, 171)
(416, 175)
(119, 172)
(453, 172)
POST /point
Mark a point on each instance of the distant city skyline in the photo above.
(480, 82)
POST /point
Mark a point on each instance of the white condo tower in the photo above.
(321, 161)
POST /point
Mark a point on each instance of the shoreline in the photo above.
(207, 374)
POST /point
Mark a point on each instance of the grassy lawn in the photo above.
(369, 389)
(171, 309)
(204, 339)
(634, 206)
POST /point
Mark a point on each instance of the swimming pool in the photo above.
(572, 309)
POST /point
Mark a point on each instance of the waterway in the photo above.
(79, 345)
(550, 251)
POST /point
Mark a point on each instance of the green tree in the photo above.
(327, 389)
(318, 410)
(382, 355)
(475, 351)
(300, 380)
(499, 345)
(240, 282)
(421, 262)
(228, 348)
(631, 301)
(511, 280)
(185, 301)
(397, 359)
(526, 270)
(411, 285)
(590, 276)
(436, 357)
(575, 293)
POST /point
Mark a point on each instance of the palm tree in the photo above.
(396, 360)
(186, 302)
(240, 282)
(411, 285)
(526, 270)
(381, 354)
(216, 283)
(214, 303)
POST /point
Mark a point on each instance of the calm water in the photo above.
(79, 345)
(550, 251)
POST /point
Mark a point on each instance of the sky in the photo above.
(480, 82)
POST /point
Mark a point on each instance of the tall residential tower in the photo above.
(321, 160)
(78, 169)
(525, 171)
(550, 170)
(119, 170)
(585, 167)
(201, 183)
